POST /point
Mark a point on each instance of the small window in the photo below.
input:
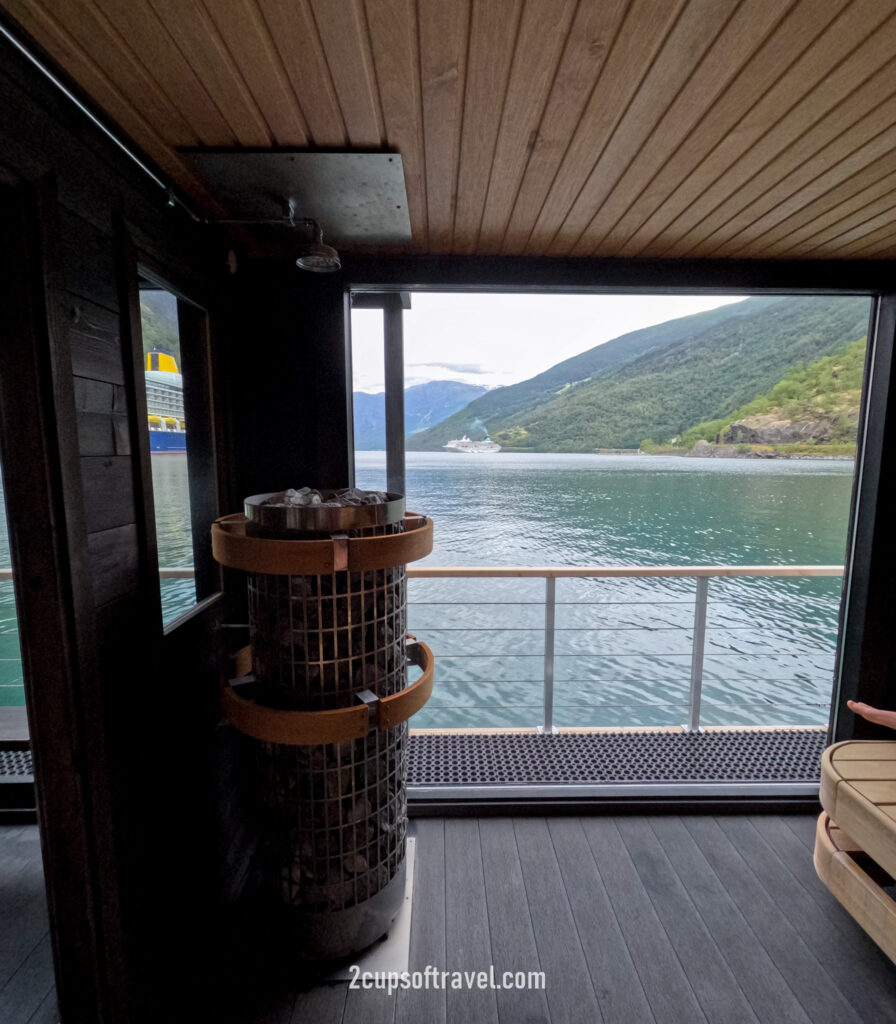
(12, 687)
(175, 363)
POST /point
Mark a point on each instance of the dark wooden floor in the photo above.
(632, 919)
(27, 994)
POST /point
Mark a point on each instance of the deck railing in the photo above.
(701, 575)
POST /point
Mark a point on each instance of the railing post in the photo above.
(697, 654)
(550, 606)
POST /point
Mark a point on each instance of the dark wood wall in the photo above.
(142, 789)
(124, 717)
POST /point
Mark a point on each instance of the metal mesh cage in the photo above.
(335, 814)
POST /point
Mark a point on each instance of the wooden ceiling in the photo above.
(662, 128)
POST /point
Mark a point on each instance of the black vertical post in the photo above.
(393, 354)
(867, 652)
(291, 387)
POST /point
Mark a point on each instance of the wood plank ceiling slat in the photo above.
(92, 38)
(881, 196)
(543, 30)
(878, 221)
(878, 243)
(873, 181)
(587, 51)
(810, 164)
(627, 128)
(793, 37)
(837, 64)
(343, 32)
(861, 145)
(697, 192)
(684, 46)
(735, 47)
(294, 33)
(881, 217)
(392, 25)
(493, 31)
(171, 70)
(443, 63)
(63, 48)
(245, 34)
(200, 42)
(637, 43)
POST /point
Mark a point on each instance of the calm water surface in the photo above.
(623, 647)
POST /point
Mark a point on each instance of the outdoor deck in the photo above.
(632, 919)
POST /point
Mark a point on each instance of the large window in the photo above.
(633, 435)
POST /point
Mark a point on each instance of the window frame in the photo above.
(200, 408)
(866, 649)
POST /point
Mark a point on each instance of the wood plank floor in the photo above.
(27, 993)
(633, 920)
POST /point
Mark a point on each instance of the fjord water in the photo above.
(623, 647)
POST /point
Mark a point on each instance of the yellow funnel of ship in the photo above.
(161, 361)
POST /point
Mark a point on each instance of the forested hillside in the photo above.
(709, 366)
(498, 406)
(813, 405)
(158, 322)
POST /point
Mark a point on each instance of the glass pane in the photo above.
(369, 398)
(630, 433)
(12, 689)
(168, 443)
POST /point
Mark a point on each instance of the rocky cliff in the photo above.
(775, 428)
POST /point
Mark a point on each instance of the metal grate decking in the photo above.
(16, 780)
(16, 763)
(581, 764)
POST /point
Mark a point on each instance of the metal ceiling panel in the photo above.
(357, 198)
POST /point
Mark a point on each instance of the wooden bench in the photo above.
(855, 841)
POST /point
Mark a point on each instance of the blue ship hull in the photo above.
(167, 441)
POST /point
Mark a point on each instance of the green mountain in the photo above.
(655, 382)
(158, 322)
(497, 407)
(812, 405)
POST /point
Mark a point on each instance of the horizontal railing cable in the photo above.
(695, 629)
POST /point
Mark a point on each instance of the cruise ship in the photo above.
(165, 403)
(464, 444)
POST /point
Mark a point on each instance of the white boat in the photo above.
(464, 444)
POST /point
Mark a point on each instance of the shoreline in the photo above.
(714, 454)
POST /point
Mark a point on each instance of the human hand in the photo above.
(876, 715)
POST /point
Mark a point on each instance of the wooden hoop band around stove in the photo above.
(233, 548)
(309, 728)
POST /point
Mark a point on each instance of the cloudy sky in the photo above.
(501, 339)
